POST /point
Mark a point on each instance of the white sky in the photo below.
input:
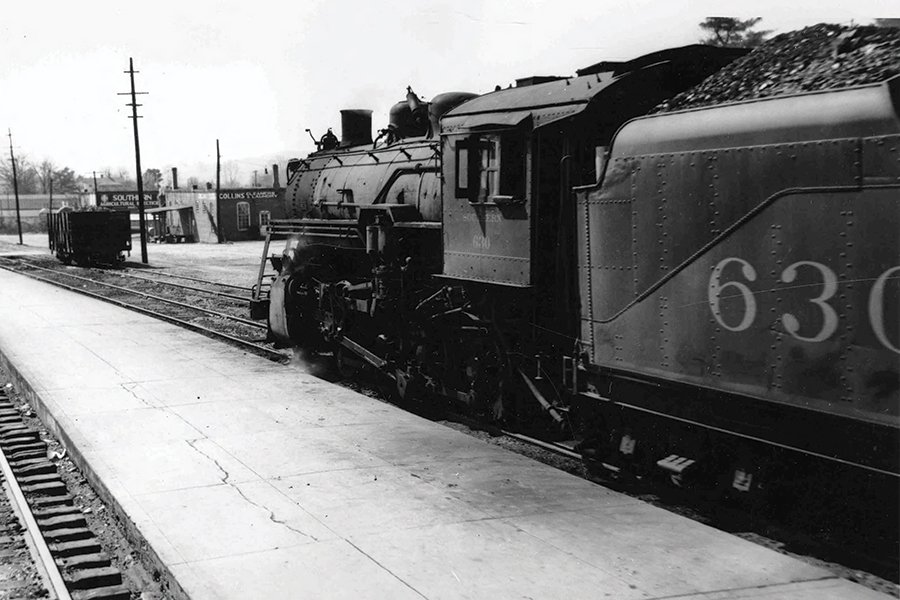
(255, 74)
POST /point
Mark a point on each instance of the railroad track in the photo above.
(186, 278)
(154, 304)
(64, 552)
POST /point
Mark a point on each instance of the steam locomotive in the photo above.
(711, 294)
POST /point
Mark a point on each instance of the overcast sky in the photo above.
(255, 74)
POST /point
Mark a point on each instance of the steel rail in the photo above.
(185, 287)
(152, 296)
(228, 285)
(267, 352)
(47, 564)
(556, 448)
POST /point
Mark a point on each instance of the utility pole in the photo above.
(95, 186)
(255, 184)
(50, 206)
(218, 183)
(15, 186)
(137, 158)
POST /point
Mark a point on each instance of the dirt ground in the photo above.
(233, 262)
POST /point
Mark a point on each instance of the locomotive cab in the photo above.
(442, 253)
(510, 160)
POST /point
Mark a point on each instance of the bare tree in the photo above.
(152, 179)
(231, 175)
(45, 173)
(26, 175)
(63, 179)
(732, 32)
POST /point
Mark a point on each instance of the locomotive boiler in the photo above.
(711, 294)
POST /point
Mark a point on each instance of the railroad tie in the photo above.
(51, 500)
(115, 592)
(54, 511)
(92, 578)
(62, 522)
(87, 546)
(51, 488)
(85, 561)
(43, 467)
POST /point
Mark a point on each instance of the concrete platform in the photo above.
(249, 479)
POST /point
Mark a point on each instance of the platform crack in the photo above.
(131, 391)
(225, 479)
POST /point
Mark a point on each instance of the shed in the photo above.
(174, 224)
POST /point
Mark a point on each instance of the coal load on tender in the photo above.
(815, 58)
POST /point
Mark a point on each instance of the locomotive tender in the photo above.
(711, 293)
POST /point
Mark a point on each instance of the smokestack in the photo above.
(275, 183)
(356, 127)
(174, 178)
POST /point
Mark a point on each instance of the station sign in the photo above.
(127, 200)
(257, 194)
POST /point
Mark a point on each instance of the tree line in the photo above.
(34, 177)
(732, 32)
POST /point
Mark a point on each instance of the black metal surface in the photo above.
(743, 250)
(96, 236)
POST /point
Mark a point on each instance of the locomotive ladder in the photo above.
(281, 229)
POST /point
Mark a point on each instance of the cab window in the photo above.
(491, 168)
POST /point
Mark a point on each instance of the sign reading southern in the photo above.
(126, 199)
(247, 195)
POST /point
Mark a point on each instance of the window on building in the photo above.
(243, 216)
(264, 218)
(491, 168)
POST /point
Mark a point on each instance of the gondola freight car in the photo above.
(89, 237)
